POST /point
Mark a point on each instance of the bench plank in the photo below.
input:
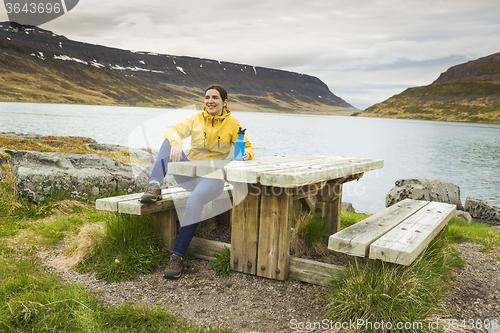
(356, 239)
(111, 204)
(135, 207)
(403, 244)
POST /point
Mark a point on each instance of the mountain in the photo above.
(468, 92)
(37, 65)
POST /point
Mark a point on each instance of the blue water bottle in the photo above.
(239, 145)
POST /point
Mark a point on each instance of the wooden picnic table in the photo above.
(266, 192)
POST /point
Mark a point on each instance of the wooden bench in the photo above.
(398, 234)
(163, 210)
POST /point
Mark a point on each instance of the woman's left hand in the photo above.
(245, 156)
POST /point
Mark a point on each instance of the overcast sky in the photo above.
(364, 50)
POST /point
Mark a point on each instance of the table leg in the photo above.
(329, 204)
(245, 229)
(274, 233)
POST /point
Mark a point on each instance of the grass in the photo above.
(65, 144)
(120, 247)
(380, 291)
(459, 230)
(129, 245)
(222, 263)
(33, 300)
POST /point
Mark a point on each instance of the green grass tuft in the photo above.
(393, 293)
(222, 263)
(347, 219)
(313, 231)
(459, 230)
(131, 245)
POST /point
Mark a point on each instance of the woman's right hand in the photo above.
(176, 153)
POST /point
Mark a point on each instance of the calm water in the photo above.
(467, 155)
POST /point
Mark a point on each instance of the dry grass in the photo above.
(82, 246)
(64, 144)
(299, 239)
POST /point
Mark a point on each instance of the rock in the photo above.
(4, 158)
(463, 215)
(484, 210)
(424, 189)
(39, 174)
(347, 206)
(142, 153)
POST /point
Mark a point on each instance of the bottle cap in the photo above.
(241, 131)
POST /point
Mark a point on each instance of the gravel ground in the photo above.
(251, 304)
(476, 292)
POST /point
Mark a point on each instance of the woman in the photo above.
(213, 131)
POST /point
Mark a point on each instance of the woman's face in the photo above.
(214, 103)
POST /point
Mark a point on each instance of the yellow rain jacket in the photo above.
(211, 137)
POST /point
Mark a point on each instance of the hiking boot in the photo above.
(152, 193)
(174, 267)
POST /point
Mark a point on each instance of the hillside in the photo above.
(467, 92)
(38, 65)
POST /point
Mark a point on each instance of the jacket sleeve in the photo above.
(176, 133)
(249, 148)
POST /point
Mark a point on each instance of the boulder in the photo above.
(486, 211)
(347, 206)
(424, 189)
(463, 215)
(3, 159)
(39, 174)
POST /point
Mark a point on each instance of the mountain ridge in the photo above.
(468, 92)
(162, 80)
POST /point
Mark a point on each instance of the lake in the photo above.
(467, 155)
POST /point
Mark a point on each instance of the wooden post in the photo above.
(274, 233)
(224, 219)
(329, 204)
(169, 227)
(245, 229)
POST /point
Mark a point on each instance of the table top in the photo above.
(281, 171)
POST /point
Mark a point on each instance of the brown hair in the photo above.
(222, 91)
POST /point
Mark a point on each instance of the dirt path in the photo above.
(251, 304)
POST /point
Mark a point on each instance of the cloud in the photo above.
(365, 51)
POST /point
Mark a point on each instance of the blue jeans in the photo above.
(203, 191)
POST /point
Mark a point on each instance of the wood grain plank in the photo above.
(169, 227)
(245, 230)
(305, 270)
(329, 203)
(253, 173)
(403, 244)
(135, 207)
(316, 172)
(274, 233)
(356, 239)
(314, 272)
(111, 203)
